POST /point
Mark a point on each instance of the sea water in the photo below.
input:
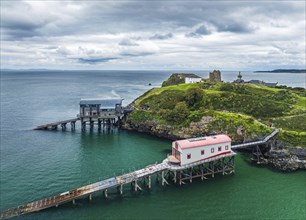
(37, 164)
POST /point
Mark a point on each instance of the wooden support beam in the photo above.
(202, 172)
(163, 179)
(105, 194)
(136, 186)
(149, 182)
(99, 124)
(213, 169)
(174, 177)
(83, 124)
(223, 166)
(72, 125)
(120, 189)
(63, 125)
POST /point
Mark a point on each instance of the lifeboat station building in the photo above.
(106, 111)
(197, 149)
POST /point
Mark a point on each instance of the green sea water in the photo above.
(38, 164)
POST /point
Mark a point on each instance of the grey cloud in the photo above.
(136, 54)
(199, 32)
(235, 27)
(51, 47)
(128, 42)
(17, 21)
(96, 17)
(161, 36)
(95, 60)
(19, 29)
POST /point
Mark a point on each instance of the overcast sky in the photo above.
(194, 35)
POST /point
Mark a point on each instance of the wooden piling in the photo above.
(105, 194)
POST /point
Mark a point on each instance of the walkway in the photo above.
(254, 143)
(54, 125)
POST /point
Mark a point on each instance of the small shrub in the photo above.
(193, 96)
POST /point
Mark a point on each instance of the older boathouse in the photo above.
(105, 111)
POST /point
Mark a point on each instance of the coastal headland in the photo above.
(246, 112)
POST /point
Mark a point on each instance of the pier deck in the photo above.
(54, 125)
(104, 185)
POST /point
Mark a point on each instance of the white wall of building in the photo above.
(196, 155)
(192, 80)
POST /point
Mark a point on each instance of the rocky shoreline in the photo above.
(281, 157)
(287, 159)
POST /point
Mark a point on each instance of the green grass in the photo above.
(301, 101)
(293, 137)
(231, 105)
(157, 91)
(291, 123)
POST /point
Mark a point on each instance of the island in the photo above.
(282, 71)
(245, 112)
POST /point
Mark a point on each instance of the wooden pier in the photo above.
(103, 112)
(140, 179)
(166, 173)
(91, 122)
(54, 125)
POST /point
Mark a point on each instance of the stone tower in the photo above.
(215, 76)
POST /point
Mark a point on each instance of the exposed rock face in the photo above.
(240, 130)
(215, 76)
(195, 129)
(287, 159)
(164, 131)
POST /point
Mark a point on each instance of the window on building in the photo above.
(176, 145)
(219, 148)
(188, 156)
(212, 150)
(202, 152)
(226, 147)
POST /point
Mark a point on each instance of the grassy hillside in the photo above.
(242, 111)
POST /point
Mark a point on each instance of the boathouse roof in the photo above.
(104, 103)
(203, 141)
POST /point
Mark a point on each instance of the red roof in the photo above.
(204, 141)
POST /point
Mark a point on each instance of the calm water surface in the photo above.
(37, 164)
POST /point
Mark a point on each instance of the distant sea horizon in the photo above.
(172, 70)
(291, 79)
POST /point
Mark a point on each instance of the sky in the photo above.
(153, 35)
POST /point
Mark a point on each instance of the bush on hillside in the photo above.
(193, 96)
